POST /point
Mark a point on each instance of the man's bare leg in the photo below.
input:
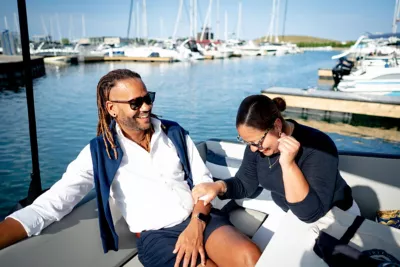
(226, 246)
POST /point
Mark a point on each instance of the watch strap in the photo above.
(203, 217)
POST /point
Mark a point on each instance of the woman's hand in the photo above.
(207, 191)
(190, 244)
(289, 147)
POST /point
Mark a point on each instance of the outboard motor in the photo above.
(341, 69)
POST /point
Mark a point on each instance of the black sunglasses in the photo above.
(136, 103)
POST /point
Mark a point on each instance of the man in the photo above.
(147, 166)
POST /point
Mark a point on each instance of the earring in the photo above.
(280, 133)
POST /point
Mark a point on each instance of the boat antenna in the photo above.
(35, 187)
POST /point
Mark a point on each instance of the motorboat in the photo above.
(75, 240)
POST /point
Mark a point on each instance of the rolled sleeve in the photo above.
(200, 173)
(61, 198)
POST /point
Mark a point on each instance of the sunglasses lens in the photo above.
(138, 102)
(150, 97)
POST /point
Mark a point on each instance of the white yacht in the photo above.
(216, 51)
(373, 80)
(372, 45)
(190, 50)
(153, 51)
(48, 49)
(251, 49)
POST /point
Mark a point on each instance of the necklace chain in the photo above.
(271, 165)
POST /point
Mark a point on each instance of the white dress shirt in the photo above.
(148, 188)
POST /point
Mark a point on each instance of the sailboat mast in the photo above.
(71, 25)
(195, 19)
(271, 24)
(83, 26)
(217, 37)
(145, 34)
(129, 20)
(44, 26)
(5, 22)
(178, 19)
(206, 20)
(284, 20)
(190, 18)
(51, 28)
(395, 16)
(239, 24)
(161, 27)
(226, 26)
(16, 22)
(58, 28)
(137, 20)
(277, 21)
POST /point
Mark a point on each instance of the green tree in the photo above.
(65, 41)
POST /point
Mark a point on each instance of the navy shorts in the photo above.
(155, 246)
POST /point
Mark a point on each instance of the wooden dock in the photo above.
(335, 101)
(90, 59)
(12, 70)
(140, 59)
(325, 74)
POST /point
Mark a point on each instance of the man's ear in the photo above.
(112, 109)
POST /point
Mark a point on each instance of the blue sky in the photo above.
(337, 19)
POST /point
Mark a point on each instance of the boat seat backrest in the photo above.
(375, 181)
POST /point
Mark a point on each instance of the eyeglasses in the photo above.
(136, 103)
(257, 144)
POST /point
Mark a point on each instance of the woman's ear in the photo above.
(278, 125)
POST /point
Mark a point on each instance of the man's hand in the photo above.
(190, 244)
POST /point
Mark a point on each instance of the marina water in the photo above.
(203, 97)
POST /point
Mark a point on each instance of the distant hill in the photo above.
(309, 41)
(300, 39)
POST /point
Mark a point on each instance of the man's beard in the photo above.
(134, 124)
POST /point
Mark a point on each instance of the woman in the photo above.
(298, 164)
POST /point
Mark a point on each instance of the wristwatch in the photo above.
(203, 217)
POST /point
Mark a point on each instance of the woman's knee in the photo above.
(248, 254)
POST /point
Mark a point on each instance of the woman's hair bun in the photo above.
(280, 103)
